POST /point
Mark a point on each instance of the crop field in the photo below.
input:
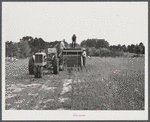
(104, 84)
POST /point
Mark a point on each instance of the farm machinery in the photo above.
(56, 58)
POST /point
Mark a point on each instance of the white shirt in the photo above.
(34, 57)
(62, 46)
(84, 53)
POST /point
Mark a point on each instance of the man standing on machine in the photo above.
(74, 40)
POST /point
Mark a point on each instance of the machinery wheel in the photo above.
(31, 66)
(55, 65)
(36, 72)
(40, 72)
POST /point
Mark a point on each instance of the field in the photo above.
(105, 84)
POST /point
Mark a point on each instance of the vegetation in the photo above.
(94, 47)
(105, 84)
(27, 46)
(100, 47)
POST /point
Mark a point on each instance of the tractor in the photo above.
(47, 59)
(56, 58)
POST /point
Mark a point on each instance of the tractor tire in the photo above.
(40, 72)
(36, 74)
(31, 66)
(55, 65)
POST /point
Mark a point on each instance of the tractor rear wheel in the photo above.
(31, 66)
(55, 65)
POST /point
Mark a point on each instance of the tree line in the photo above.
(28, 45)
(101, 47)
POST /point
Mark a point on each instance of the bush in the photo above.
(91, 51)
(97, 52)
(21, 56)
(103, 52)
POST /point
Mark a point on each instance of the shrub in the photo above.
(103, 52)
(21, 56)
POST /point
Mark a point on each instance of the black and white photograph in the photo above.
(74, 60)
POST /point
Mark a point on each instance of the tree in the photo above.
(124, 48)
(25, 49)
(133, 50)
(143, 48)
(11, 49)
(97, 43)
(101, 43)
(77, 45)
(119, 47)
(129, 49)
(83, 43)
(113, 47)
(138, 49)
(91, 51)
(141, 44)
(90, 42)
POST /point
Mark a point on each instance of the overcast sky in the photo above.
(118, 23)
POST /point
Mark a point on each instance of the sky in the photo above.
(116, 22)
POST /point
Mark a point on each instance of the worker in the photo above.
(60, 49)
(62, 45)
(84, 56)
(34, 56)
(74, 40)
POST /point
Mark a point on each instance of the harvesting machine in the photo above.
(56, 58)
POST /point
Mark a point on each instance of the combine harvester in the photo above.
(57, 58)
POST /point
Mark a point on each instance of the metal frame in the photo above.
(78, 53)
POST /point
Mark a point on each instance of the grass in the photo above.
(111, 84)
(105, 84)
